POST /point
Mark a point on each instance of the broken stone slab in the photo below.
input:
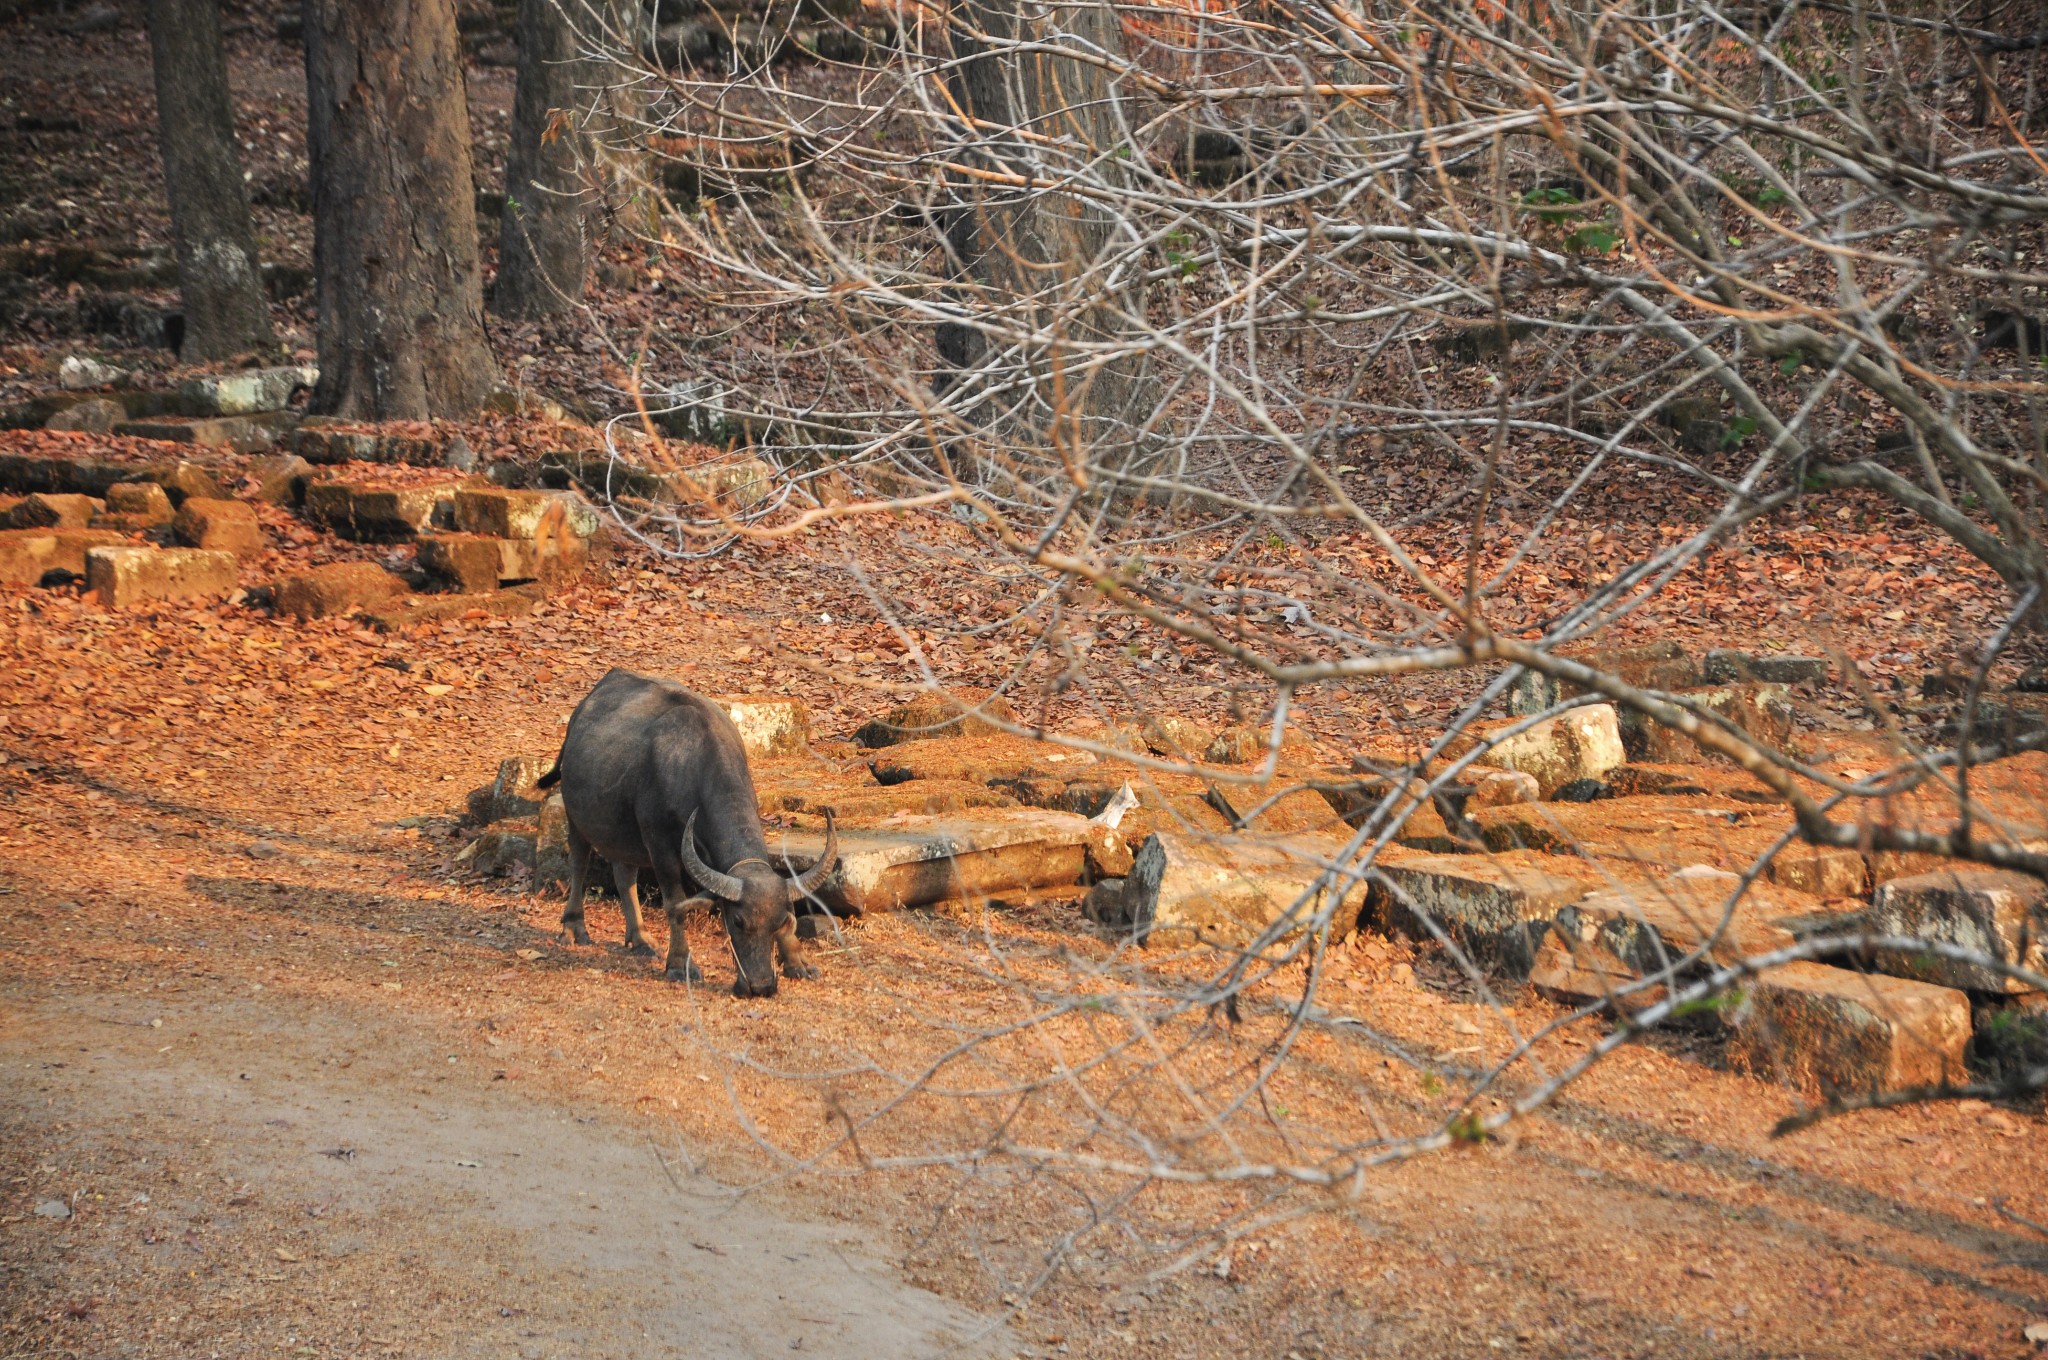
(243, 434)
(1663, 665)
(510, 603)
(145, 500)
(918, 860)
(29, 556)
(1997, 913)
(1235, 746)
(78, 373)
(1425, 825)
(229, 526)
(43, 510)
(126, 576)
(1653, 927)
(468, 563)
(250, 391)
(337, 588)
(1726, 665)
(378, 514)
(1583, 743)
(932, 715)
(1764, 712)
(281, 480)
(516, 791)
(28, 474)
(1175, 737)
(503, 850)
(501, 513)
(1831, 1030)
(325, 441)
(1225, 892)
(769, 726)
(98, 416)
(1495, 907)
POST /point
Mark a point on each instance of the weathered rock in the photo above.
(1421, 816)
(337, 588)
(1501, 788)
(1226, 892)
(1653, 927)
(1495, 907)
(1725, 665)
(54, 511)
(1997, 913)
(936, 715)
(503, 850)
(1654, 665)
(470, 563)
(127, 576)
(25, 554)
(97, 416)
(282, 479)
(77, 373)
(522, 514)
(1175, 737)
(1823, 870)
(325, 442)
(1762, 711)
(516, 791)
(1235, 746)
(769, 726)
(146, 500)
(181, 479)
(1831, 1030)
(243, 434)
(245, 393)
(413, 610)
(921, 860)
(229, 526)
(1104, 904)
(1583, 743)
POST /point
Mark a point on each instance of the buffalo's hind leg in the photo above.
(795, 963)
(676, 904)
(579, 879)
(627, 881)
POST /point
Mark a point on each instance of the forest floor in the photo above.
(277, 1078)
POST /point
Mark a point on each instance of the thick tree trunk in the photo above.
(544, 240)
(225, 310)
(394, 212)
(1036, 255)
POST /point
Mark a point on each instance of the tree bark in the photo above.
(226, 312)
(400, 289)
(1035, 254)
(551, 185)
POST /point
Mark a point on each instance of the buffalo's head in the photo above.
(757, 904)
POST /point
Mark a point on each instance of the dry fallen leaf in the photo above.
(284, 1255)
(438, 690)
(529, 954)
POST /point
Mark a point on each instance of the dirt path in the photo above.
(246, 1177)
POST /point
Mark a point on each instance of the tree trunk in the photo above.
(225, 310)
(394, 212)
(554, 173)
(1037, 255)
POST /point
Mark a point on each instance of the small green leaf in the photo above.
(1466, 1128)
(1791, 362)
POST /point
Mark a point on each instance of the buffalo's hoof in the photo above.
(640, 949)
(693, 974)
(801, 972)
(578, 936)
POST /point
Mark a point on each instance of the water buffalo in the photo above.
(644, 763)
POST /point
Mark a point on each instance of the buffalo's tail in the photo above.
(551, 778)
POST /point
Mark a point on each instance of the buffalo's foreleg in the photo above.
(579, 879)
(627, 881)
(790, 950)
(676, 903)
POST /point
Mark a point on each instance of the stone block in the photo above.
(1997, 913)
(1823, 870)
(145, 500)
(1175, 737)
(468, 563)
(919, 860)
(1830, 1030)
(1762, 711)
(516, 791)
(769, 726)
(503, 850)
(392, 514)
(127, 576)
(1495, 907)
(502, 513)
(282, 479)
(1227, 892)
(25, 554)
(229, 526)
(1725, 665)
(43, 510)
(1663, 665)
(181, 479)
(337, 588)
(935, 715)
(1422, 826)
(97, 416)
(1501, 788)
(553, 559)
(1584, 743)
(243, 434)
(1656, 926)
(78, 373)
(244, 393)
(1235, 746)
(326, 442)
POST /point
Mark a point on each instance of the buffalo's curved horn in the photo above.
(709, 879)
(807, 882)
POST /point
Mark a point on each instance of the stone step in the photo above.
(1998, 913)
(229, 526)
(920, 860)
(124, 576)
(246, 392)
(1183, 890)
(26, 474)
(1497, 908)
(336, 588)
(368, 514)
(499, 513)
(1830, 1030)
(243, 434)
(327, 443)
